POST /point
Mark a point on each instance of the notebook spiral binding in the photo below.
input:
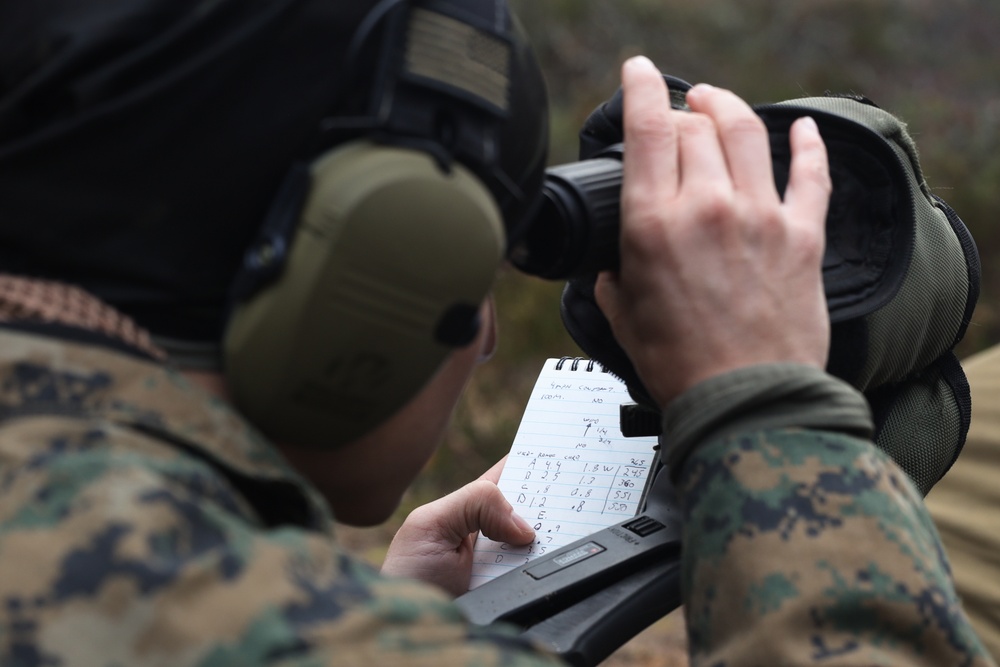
(591, 364)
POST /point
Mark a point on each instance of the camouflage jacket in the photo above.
(804, 544)
(143, 522)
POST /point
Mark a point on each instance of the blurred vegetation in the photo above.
(934, 64)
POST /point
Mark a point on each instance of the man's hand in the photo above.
(435, 542)
(717, 271)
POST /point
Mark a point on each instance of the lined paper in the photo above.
(570, 471)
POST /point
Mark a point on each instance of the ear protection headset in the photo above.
(375, 258)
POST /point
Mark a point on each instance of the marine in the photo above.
(150, 151)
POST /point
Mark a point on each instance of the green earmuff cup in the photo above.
(388, 267)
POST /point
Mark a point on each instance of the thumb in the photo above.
(482, 507)
(606, 294)
(447, 523)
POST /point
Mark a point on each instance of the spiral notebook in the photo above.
(570, 471)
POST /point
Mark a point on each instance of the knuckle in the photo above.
(742, 125)
(770, 220)
(645, 209)
(638, 201)
(811, 164)
(483, 491)
(810, 244)
(821, 173)
(816, 171)
(646, 238)
(642, 252)
(651, 127)
(716, 206)
(697, 123)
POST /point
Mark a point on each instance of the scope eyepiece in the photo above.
(575, 230)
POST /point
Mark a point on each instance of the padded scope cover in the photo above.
(901, 274)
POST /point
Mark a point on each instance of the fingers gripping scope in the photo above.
(375, 258)
(900, 269)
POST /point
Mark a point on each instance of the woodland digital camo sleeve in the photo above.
(811, 547)
(144, 524)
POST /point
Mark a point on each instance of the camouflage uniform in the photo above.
(142, 522)
(810, 547)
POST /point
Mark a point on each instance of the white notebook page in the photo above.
(570, 472)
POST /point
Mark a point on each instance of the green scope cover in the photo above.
(901, 274)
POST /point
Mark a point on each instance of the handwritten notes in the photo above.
(570, 472)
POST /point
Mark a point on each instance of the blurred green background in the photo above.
(934, 64)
